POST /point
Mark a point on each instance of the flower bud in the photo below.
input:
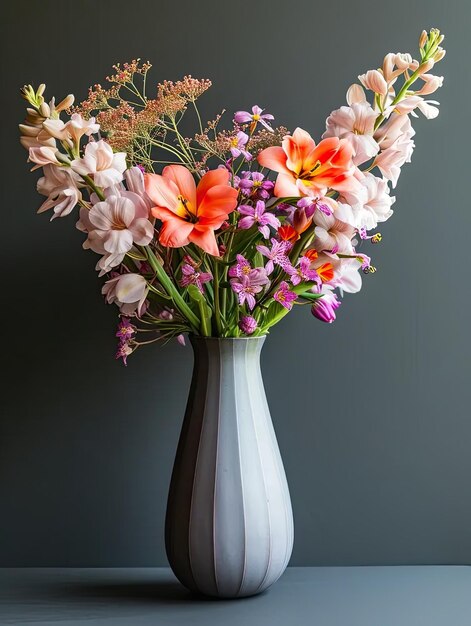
(355, 94)
(66, 103)
(29, 131)
(324, 308)
(426, 66)
(403, 61)
(248, 324)
(374, 80)
(439, 54)
(423, 39)
(45, 110)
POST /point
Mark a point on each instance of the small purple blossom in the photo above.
(248, 285)
(324, 308)
(285, 296)
(241, 268)
(303, 272)
(191, 276)
(125, 330)
(238, 143)
(124, 350)
(254, 184)
(258, 215)
(276, 255)
(257, 115)
(248, 324)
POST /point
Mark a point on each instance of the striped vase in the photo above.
(229, 524)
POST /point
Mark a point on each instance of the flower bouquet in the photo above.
(219, 234)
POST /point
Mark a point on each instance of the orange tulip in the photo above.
(190, 213)
(305, 168)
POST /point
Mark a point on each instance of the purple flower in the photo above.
(324, 308)
(249, 284)
(243, 117)
(302, 272)
(191, 276)
(254, 183)
(258, 215)
(285, 296)
(248, 324)
(241, 268)
(124, 350)
(125, 330)
(238, 144)
(277, 255)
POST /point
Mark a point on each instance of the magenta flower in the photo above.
(285, 296)
(248, 324)
(248, 285)
(276, 255)
(191, 276)
(324, 308)
(302, 272)
(124, 350)
(238, 144)
(257, 115)
(254, 183)
(241, 268)
(258, 215)
(125, 330)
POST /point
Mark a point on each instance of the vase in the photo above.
(229, 523)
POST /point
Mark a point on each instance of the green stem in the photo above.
(92, 185)
(205, 330)
(217, 311)
(172, 291)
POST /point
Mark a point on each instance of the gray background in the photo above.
(372, 413)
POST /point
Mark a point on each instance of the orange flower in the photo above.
(190, 213)
(326, 272)
(288, 233)
(306, 169)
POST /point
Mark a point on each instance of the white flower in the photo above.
(371, 205)
(355, 123)
(397, 146)
(128, 292)
(59, 184)
(101, 163)
(74, 129)
(113, 226)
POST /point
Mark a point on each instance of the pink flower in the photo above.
(332, 234)
(74, 129)
(374, 80)
(191, 276)
(285, 296)
(248, 324)
(43, 155)
(124, 350)
(248, 285)
(302, 272)
(257, 115)
(128, 292)
(370, 206)
(241, 268)
(238, 143)
(397, 146)
(59, 184)
(431, 84)
(113, 226)
(99, 161)
(276, 255)
(355, 123)
(324, 308)
(258, 215)
(125, 331)
(134, 178)
(254, 183)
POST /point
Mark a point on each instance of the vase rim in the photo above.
(194, 337)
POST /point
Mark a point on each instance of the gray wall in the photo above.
(372, 413)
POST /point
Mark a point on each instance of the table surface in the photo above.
(304, 596)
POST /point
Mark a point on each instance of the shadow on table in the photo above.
(164, 593)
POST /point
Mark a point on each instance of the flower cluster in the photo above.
(222, 233)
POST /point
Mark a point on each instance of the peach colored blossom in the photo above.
(190, 213)
(355, 123)
(305, 168)
(374, 80)
(60, 185)
(105, 167)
